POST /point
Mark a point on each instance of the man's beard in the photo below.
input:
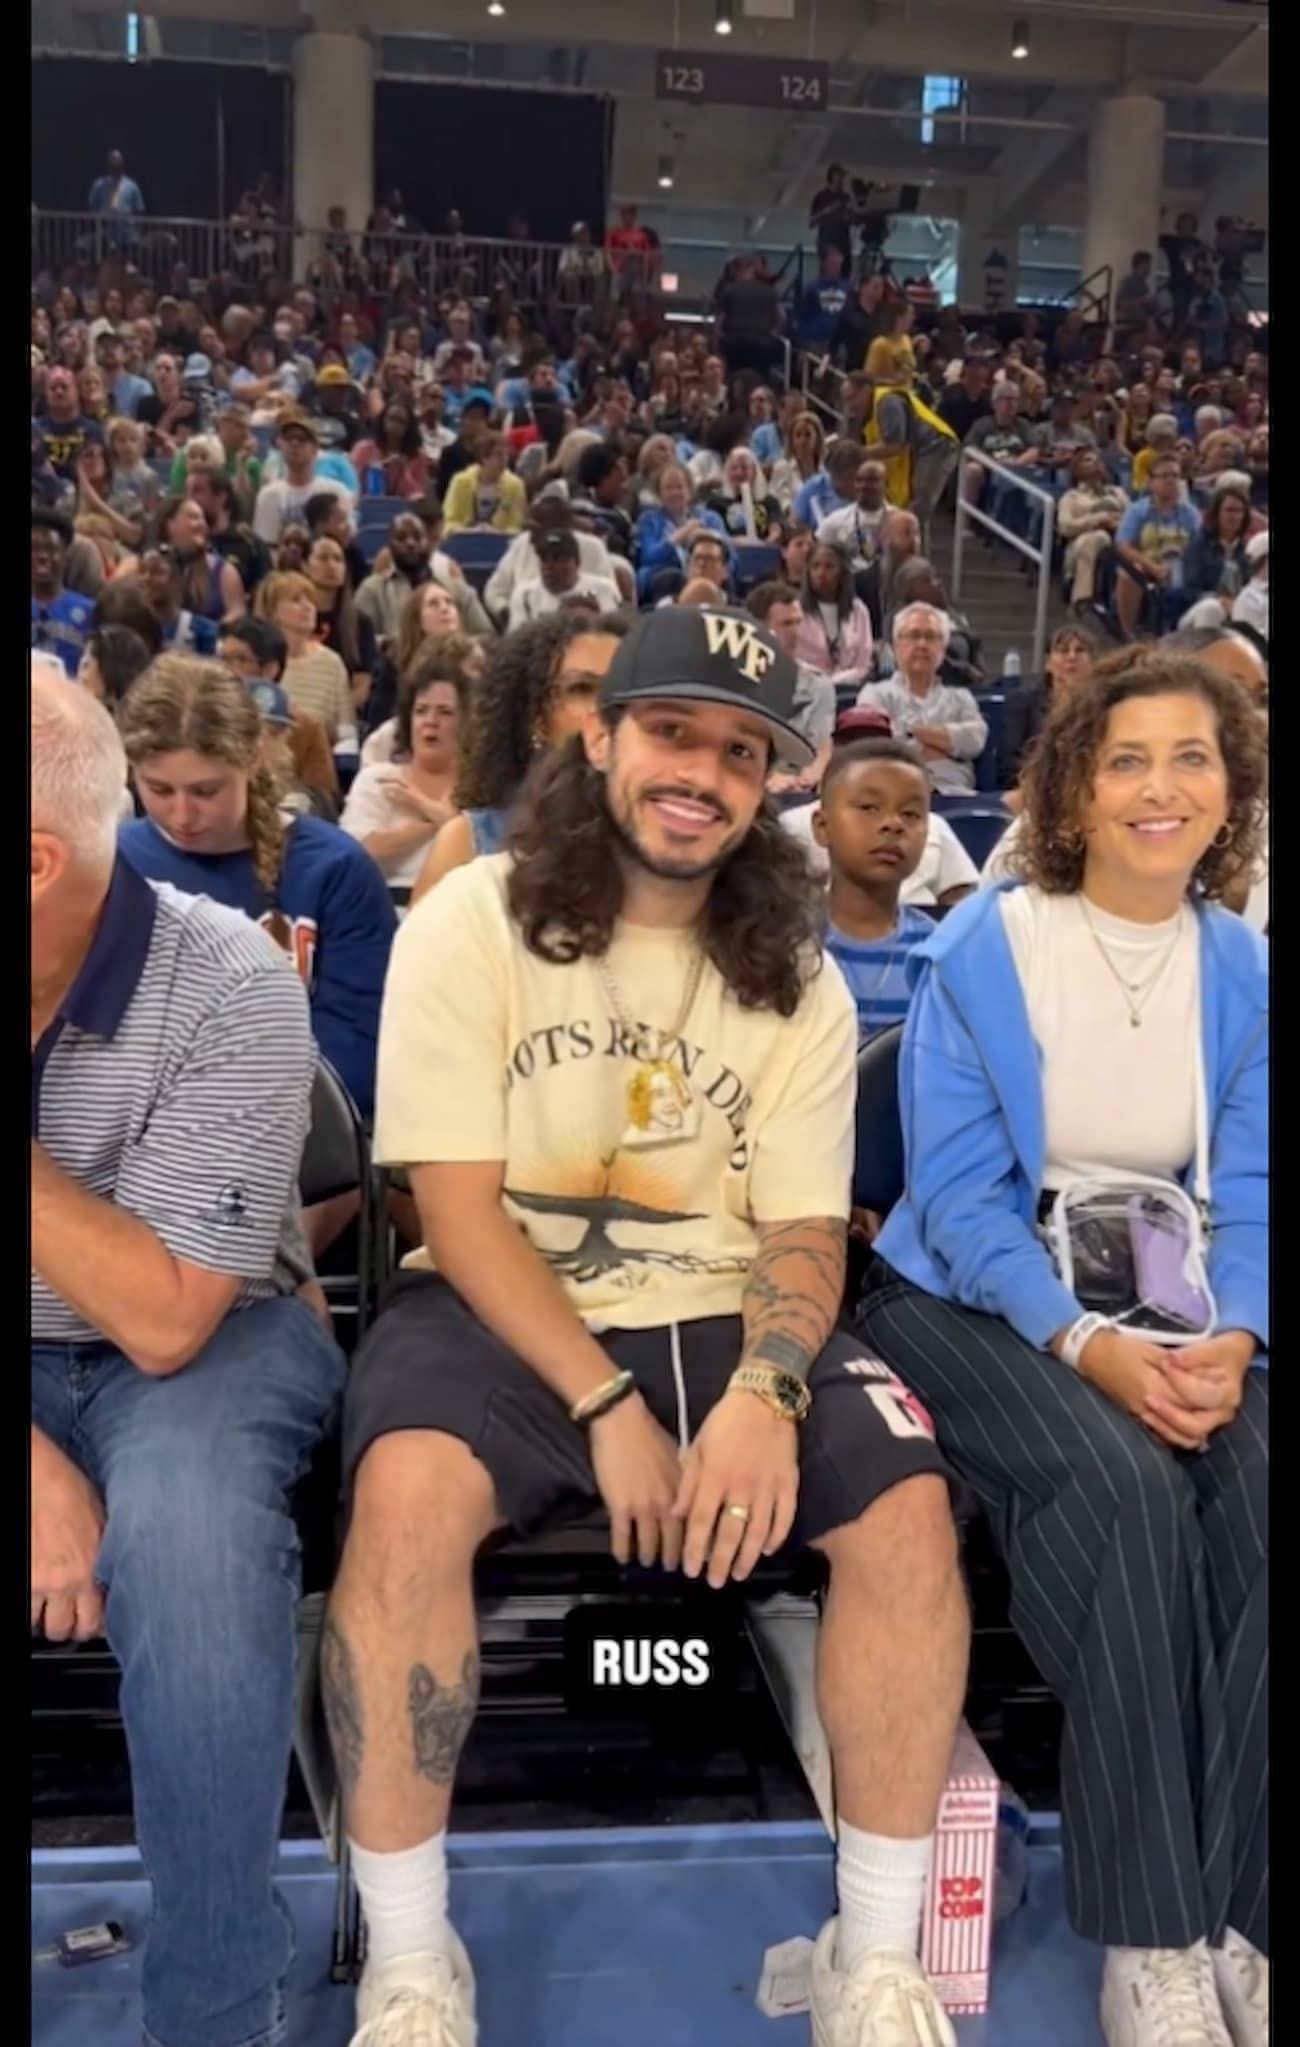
(664, 866)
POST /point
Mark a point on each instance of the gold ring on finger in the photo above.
(741, 1513)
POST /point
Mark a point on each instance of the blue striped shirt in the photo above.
(876, 969)
(175, 1082)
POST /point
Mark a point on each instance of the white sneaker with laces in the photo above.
(418, 2001)
(1241, 1973)
(887, 2001)
(1161, 1997)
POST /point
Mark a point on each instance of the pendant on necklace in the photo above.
(661, 1105)
(1135, 1023)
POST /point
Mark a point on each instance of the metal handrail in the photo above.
(1096, 301)
(1041, 555)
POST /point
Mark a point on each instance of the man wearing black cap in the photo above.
(619, 1071)
(562, 579)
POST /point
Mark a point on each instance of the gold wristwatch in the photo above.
(785, 1394)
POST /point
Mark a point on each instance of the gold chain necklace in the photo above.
(660, 1102)
(1143, 990)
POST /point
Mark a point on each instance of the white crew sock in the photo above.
(404, 1897)
(881, 1884)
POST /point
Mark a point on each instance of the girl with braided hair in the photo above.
(213, 826)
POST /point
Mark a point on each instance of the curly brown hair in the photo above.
(761, 925)
(1058, 777)
(439, 660)
(509, 702)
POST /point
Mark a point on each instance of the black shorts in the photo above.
(428, 1363)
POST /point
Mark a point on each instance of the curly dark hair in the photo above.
(762, 923)
(1058, 777)
(497, 745)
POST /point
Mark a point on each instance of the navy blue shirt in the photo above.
(330, 908)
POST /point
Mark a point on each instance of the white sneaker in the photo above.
(887, 2001)
(1241, 1973)
(418, 2001)
(1161, 1997)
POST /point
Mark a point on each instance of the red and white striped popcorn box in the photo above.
(957, 1927)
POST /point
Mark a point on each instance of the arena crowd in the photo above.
(553, 721)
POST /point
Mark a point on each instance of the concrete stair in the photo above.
(998, 593)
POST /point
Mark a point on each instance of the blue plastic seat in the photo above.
(979, 821)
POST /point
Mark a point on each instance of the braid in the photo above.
(266, 828)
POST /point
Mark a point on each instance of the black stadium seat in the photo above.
(878, 1143)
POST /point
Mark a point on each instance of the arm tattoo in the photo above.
(342, 1707)
(793, 1293)
(440, 1718)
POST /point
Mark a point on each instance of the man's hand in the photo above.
(66, 1527)
(744, 1456)
(637, 1468)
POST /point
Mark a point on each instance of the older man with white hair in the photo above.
(940, 718)
(178, 1383)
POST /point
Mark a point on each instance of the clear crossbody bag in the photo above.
(1134, 1248)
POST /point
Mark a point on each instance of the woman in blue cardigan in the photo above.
(1060, 1030)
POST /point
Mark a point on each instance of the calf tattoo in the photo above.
(441, 1715)
(342, 1706)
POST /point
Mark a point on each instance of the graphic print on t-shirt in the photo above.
(668, 1095)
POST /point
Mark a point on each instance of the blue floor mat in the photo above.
(641, 1936)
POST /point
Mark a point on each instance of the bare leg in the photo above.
(400, 1655)
(891, 1664)
(1128, 602)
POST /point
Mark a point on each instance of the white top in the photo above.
(1115, 1098)
(1250, 606)
(998, 868)
(519, 564)
(381, 745)
(944, 864)
(855, 529)
(369, 808)
(534, 600)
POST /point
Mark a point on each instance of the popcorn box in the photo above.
(957, 1926)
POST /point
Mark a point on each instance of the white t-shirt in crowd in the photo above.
(519, 564)
(369, 808)
(854, 529)
(284, 504)
(944, 864)
(1115, 1098)
(534, 600)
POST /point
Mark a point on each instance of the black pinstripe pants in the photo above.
(1139, 1582)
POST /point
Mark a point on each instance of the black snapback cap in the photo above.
(711, 655)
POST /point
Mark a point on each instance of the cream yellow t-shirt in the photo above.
(488, 1052)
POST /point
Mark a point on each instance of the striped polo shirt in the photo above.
(175, 1081)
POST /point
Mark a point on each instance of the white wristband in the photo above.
(1078, 1336)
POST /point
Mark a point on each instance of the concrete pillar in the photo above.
(1126, 163)
(988, 264)
(333, 129)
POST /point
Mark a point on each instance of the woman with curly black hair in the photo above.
(1076, 1284)
(539, 684)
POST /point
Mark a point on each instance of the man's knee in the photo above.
(422, 1506)
(195, 1531)
(904, 1542)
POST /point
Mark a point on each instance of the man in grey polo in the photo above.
(178, 1382)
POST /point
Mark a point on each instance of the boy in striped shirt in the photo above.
(872, 820)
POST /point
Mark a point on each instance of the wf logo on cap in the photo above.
(737, 639)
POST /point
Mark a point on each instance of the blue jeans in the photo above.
(200, 1565)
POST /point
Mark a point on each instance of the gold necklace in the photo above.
(660, 1102)
(1143, 990)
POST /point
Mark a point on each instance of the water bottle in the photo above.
(1012, 1880)
(1011, 666)
(374, 481)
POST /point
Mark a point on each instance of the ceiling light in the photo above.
(496, 8)
(1020, 38)
(665, 174)
(722, 21)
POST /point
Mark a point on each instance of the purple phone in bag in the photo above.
(1160, 1250)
